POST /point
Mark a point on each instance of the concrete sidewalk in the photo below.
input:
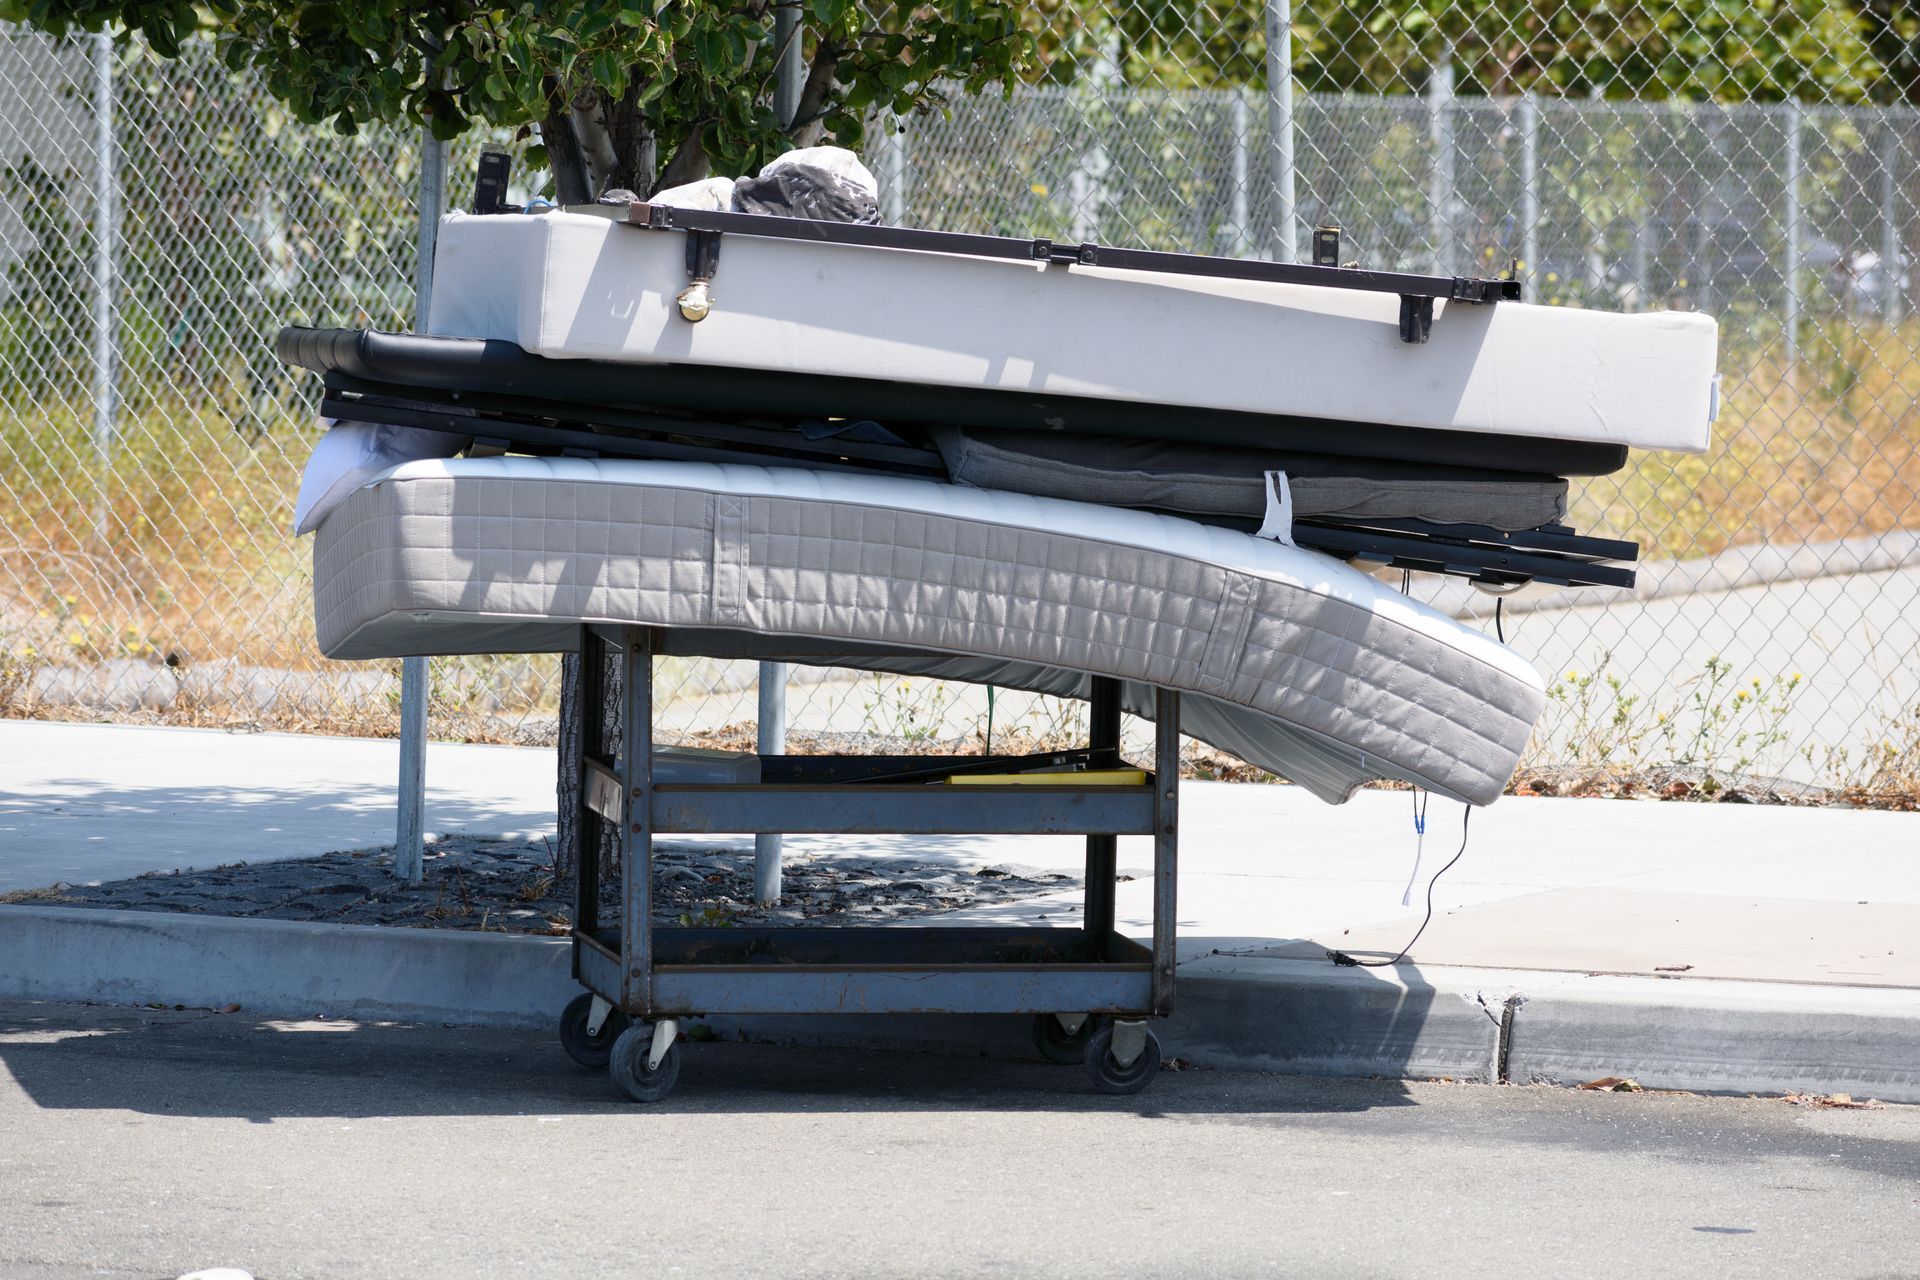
(1761, 937)
(82, 802)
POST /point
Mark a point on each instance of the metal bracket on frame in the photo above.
(1417, 292)
(703, 260)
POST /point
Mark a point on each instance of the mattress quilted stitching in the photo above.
(862, 573)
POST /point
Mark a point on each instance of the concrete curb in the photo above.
(1233, 1011)
(1713, 1035)
(283, 968)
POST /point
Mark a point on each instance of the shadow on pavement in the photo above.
(78, 830)
(196, 1063)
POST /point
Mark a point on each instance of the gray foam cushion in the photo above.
(1214, 481)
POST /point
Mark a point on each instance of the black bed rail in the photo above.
(704, 227)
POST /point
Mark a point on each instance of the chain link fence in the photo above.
(150, 446)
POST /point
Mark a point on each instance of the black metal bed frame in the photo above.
(1091, 990)
(1417, 293)
(1553, 554)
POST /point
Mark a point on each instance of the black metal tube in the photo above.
(1103, 742)
(636, 867)
(1166, 777)
(588, 742)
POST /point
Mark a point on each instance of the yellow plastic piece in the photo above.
(1089, 778)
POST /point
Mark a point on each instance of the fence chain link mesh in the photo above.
(1766, 171)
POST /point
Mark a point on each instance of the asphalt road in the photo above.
(139, 1143)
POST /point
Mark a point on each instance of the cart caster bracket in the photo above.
(665, 1032)
(597, 1015)
(1129, 1041)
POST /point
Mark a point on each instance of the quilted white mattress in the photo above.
(575, 285)
(1291, 659)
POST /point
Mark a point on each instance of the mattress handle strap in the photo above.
(1278, 524)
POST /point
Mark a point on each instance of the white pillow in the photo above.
(353, 453)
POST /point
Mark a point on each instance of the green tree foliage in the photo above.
(1893, 31)
(1753, 50)
(626, 93)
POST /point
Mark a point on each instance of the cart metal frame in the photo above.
(1081, 977)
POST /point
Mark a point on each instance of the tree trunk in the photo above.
(566, 851)
(566, 854)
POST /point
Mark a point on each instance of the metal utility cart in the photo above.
(1090, 990)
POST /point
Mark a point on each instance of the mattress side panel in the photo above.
(356, 582)
(566, 285)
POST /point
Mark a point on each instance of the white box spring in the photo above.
(1293, 661)
(578, 286)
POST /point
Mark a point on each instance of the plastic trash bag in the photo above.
(826, 184)
(838, 161)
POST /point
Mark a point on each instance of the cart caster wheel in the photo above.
(1056, 1044)
(1109, 1076)
(589, 1050)
(628, 1065)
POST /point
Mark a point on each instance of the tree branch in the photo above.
(570, 182)
(806, 128)
(689, 163)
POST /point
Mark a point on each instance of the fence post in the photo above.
(106, 237)
(1530, 192)
(1239, 235)
(770, 734)
(1892, 268)
(1440, 194)
(788, 76)
(1286, 244)
(409, 838)
(1790, 262)
(893, 162)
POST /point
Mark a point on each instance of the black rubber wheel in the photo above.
(589, 1051)
(1055, 1045)
(1109, 1076)
(628, 1065)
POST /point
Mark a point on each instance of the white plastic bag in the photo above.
(709, 193)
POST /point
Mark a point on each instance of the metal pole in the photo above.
(1239, 233)
(409, 837)
(770, 740)
(1286, 245)
(1440, 193)
(790, 75)
(893, 197)
(105, 240)
(771, 735)
(1790, 264)
(1891, 267)
(1530, 194)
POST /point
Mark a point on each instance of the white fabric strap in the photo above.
(1278, 524)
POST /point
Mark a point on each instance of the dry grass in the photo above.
(1827, 449)
(179, 548)
(181, 551)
